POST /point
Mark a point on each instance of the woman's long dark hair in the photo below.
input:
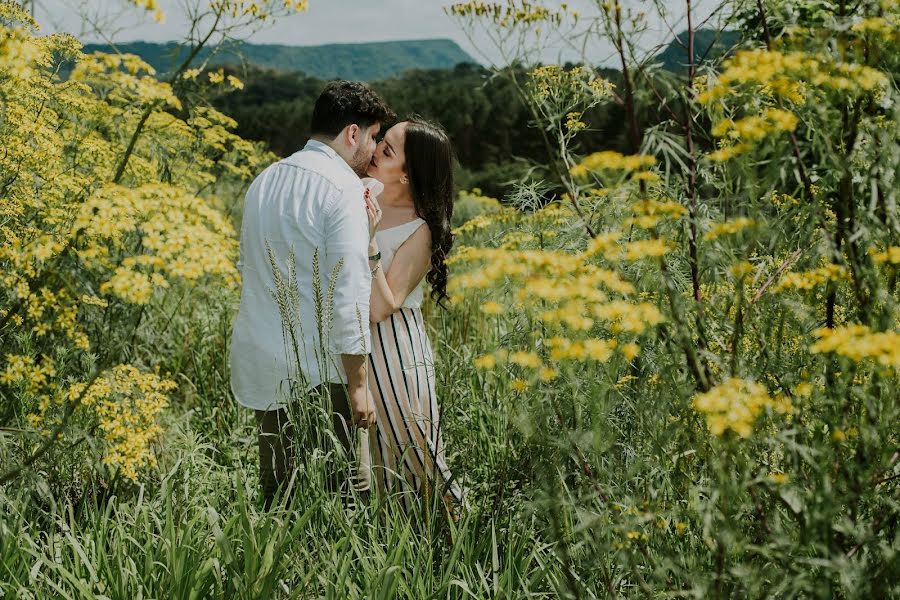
(429, 164)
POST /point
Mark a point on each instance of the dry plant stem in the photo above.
(774, 276)
(738, 330)
(634, 131)
(695, 366)
(697, 369)
(760, 509)
(894, 458)
(692, 171)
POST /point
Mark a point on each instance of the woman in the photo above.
(410, 222)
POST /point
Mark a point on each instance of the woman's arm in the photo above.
(410, 264)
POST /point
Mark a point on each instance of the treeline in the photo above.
(490, 125)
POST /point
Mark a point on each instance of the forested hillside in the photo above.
(485, 116)
(364, 62)
(487, 120)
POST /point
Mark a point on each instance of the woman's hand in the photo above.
(374, 213)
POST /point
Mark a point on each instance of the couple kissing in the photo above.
(369, 222)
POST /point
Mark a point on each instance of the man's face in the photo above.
(365, 148)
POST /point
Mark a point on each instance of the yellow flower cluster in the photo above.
(808, 280)
(647, 213)
(890, 256)
(512, 14)
(477, 210)
(779, 72)
(727, 228)
(735, 405)
(563, 290)
(609, 160)
(728, 151)
(257, 10)
(858, 342)
(574, 122)
(561, 349)
(887, 27)
(639, 250)
(745, 132)
(473, 224)
(151, 6)
(127, 405)
(181, 237)
(755, 128)
(125, 80)
(652, 208)
(564, 87)
(539, 270)
(69, 236)
(619, 315)
(24, 370)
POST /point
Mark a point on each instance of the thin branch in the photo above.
(774, 277)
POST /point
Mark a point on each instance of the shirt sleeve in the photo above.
(346, 246)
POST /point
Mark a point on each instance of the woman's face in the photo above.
(389, 163)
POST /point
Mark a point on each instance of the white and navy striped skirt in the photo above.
(406, 450)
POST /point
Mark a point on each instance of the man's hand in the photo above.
(362, 407)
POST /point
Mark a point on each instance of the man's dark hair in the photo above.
(343, 103)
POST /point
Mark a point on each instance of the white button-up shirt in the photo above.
(311, 202)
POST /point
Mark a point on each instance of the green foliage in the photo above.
(687, 368)
(750, 447)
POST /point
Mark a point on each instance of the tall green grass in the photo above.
(195, 527)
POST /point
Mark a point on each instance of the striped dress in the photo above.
(406, 453)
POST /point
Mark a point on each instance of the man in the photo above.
(310, 204)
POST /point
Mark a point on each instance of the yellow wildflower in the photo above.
(779, 478)
(486, 362)
(728, 227)
(858, 342)
(808, 280)
(492, 308)
(735, 404)
(525, 359)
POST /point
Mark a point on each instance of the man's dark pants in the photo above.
(276, 442)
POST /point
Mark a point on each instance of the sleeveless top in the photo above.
(389, 240)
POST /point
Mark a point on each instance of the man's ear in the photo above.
(352, 134)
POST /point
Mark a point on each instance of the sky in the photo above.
(346, 21)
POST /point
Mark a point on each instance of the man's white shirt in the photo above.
(311, 201)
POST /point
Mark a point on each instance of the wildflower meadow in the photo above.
(669, 368)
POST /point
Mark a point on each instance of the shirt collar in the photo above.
(317, 146)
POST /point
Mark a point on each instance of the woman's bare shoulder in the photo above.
(419, 240)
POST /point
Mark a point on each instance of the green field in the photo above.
(669, 367)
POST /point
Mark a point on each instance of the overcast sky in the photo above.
(340, 21)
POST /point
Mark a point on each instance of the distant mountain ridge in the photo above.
(373, 61)
(366, 62)
(709, 45)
